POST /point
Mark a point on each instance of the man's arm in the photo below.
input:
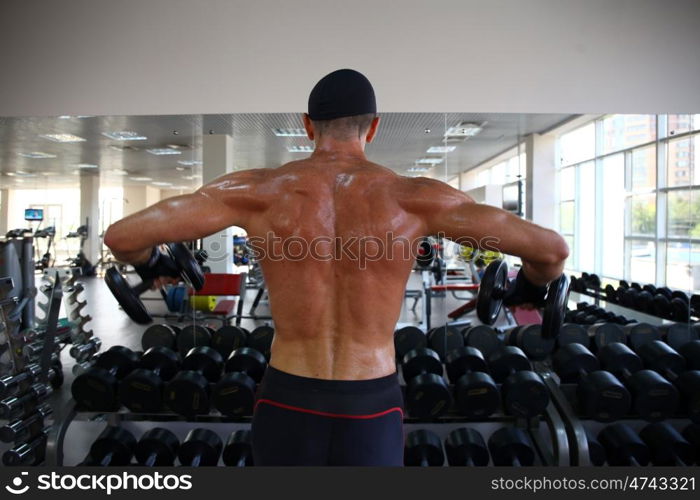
(227, 201)
(453, 213)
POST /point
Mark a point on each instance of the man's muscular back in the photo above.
(336, 248)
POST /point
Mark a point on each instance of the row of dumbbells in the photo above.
(486, 376)
(161, 379)
(116, 446)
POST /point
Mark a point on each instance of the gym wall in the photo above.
(131, 57)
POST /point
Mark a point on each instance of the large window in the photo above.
(629, 198)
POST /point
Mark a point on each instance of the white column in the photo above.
(217, 159)
(89, 210)
(4, 212)
(540, 184)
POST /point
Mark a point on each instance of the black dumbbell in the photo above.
(653, 397)
(83, 352)
(29, 453)
(639, 334)
(596, 452)
(261, 339)
(423, 448)
(692, 434)
(623, 446)
(660, 306)
(192, 336)
(601, 395)
(234, 393)
(238, 451)
(476, 393)
(201, 448)
(610, 294)
(678, 334)
(113, 447)
(25, 428)
(18, 406)
(523, 391)
(408, 338)
(228, 338)
(157, 447)
(662, 358)
(11, 385)
(97, 388)
(141, 390)
(427, 392)
(571, 333)
(511, 446)
(188, 392)
(444, 339)
(666, 445)
(160, 335)
(605, 333)
(691, 353)
(466, 447)
(482, 337)
(529, 338)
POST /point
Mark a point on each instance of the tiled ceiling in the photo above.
(402, 139)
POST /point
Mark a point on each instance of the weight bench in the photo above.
(224, 284)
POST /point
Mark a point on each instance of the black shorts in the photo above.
(308, 421)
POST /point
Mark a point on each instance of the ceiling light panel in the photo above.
(62, 138)
(289, 132)
(164, 151)
(441, 149)
(125, 135)
(300, 149)
(37, 155)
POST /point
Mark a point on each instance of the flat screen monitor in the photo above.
(34, 214)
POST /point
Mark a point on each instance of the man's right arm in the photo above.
(454, 214)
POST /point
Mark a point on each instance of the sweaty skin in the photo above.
(335, 318)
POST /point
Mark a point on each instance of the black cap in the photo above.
(344, 92)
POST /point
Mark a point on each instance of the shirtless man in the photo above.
(337, 237)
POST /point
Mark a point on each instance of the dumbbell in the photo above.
(653, 397)
(466, 447)
(476, 393)
(234, 393)
(24, 428)
(85, 351)
(187, 265)
(141, 390)
(228, 338)
(157, 447)
(192, 336)
(188, 392)
(482, 337)
(201, 448)
(692, 434)
(571, 333)
(639, 334)
(423, 448)
(662, 358)
(427, 392)
(160, 335)
(596, 452)
(12, 385)
(529, 338)
(238, 451)
(97, 388)
(666, 445)
(523, 391)
(30, 453)
(605, 333)
(678, 334)
(511, 446)
(444, 339)
(18, 406)
(260, 339)
(623, 446)
(113, 447)
(680, 306)
(601, 395)
(408, 338)
(691, 352)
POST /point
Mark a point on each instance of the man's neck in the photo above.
(329, 147)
